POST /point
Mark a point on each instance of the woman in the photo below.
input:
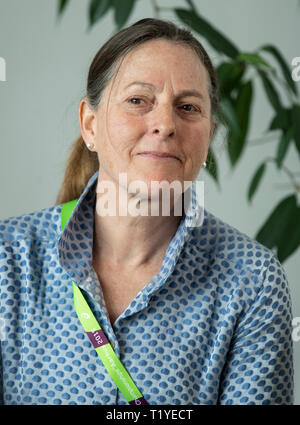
(197, 314)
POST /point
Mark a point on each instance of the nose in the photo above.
(163, 121)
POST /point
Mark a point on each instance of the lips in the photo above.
(157, 154)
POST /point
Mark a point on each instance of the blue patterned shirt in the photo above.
(212, 327)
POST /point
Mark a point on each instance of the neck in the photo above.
(127, 241)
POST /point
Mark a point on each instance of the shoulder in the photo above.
(238, 266)
(227, 246)
(41, 225)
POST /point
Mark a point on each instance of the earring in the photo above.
(204, 164)
(90, 146)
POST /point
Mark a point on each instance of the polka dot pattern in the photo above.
(212, 327)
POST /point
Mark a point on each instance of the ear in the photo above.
(87, 119)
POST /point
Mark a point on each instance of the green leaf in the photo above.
(61, 6)
(256, 179)
(216, 39)
(253, 59)
(123, 10)
(281, 229)
(271, 92)
(290, 240)
(273, 230)
(283, 65)
(212, 168)
(282, 120)
(228, 115)
(97, 9)
(236, 142)
(229, 76)
(296, 125)
(283, 145)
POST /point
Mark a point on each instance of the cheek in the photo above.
(197, 142)
(124, 128)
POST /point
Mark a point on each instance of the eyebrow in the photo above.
(183, 93)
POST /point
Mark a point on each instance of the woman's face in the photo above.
(158, 102)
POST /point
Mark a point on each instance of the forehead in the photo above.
(161, 61)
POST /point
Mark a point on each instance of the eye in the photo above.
(135, 99)
(190, 106)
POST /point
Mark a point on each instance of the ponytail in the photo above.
(81, 166)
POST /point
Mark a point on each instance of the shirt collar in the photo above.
(75, 244)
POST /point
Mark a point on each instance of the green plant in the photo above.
(281, 230)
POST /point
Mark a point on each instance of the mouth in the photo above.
(162, 156)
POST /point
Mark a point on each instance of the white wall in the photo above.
(46, 69)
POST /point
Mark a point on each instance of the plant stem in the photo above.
(264, 139)
(192, 6)
(290, 95)
(292, 178)
(288, 172)
(156, 9)
(166, 8)
(282, 185)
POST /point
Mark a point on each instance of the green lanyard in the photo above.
(103, 348)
